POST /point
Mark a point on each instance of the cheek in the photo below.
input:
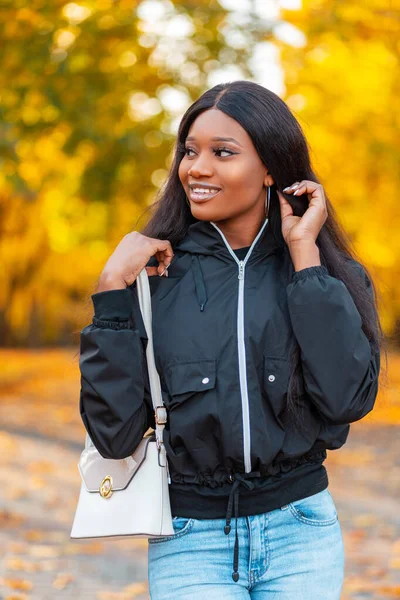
(244, 177)
(182, 172)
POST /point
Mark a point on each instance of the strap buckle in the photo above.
(160, 415)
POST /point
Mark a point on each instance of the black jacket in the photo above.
(223, 329)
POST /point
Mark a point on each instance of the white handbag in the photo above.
(128, 497)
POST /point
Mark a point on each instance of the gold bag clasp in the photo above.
(105, 489)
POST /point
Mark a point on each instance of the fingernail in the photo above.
(286, 188)
(294, 193)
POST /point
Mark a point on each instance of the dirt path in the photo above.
(41, 438)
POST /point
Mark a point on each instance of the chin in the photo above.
(207, 213)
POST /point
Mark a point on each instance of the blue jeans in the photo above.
(295, 552)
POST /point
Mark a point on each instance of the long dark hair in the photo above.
(283, 148)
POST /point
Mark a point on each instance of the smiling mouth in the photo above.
(201, 194)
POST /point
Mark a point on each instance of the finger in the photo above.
(151, 271)
(164, 271)
(300, 190)
(161, 268)
(160, 257)
(289, 189)
(286, 209)
(164, 248)
(164, 257)
(161, 264)
(316, 212)
(308, 187)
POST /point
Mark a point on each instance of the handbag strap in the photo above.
(160, 412)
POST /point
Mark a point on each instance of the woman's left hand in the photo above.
(305, 229)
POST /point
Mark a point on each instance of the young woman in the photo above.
(267, 342)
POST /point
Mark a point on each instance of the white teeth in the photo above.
(204, 191)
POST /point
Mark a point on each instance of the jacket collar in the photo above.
(203, 238)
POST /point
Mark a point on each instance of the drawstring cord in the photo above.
(233, 501)
(199, 281)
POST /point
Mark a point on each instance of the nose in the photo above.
(200, 167)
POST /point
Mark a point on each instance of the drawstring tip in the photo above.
(227, 529)
(235, 576)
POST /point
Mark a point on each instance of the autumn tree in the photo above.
(90, 97)
(342, 82)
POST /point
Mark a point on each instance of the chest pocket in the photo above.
(276, 373)
(185, 379)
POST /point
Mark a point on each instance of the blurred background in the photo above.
(91, 94)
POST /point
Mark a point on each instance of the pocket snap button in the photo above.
(205, 380)
(271, 377)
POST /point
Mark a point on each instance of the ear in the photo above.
(268, 180)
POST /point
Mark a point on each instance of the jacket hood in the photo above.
(205, 238)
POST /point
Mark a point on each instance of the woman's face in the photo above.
(221, 160)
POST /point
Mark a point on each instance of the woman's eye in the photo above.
(230, 153)
(216, 150)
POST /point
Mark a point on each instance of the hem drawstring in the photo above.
(233, 501)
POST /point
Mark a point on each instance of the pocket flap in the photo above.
(192, 376)
(276, 381)
(276, 374)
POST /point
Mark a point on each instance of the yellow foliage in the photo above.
(86, 138)
(343, 86)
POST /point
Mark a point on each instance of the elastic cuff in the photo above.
(117, 325)
(309, 272)
(113, 305)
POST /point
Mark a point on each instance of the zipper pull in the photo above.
(241, 270)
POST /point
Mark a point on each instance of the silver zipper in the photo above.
(168, 473)
(242, 347)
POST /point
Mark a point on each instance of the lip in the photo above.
(202, 197)
(206, 186)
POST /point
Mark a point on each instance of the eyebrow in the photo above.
(216, 139)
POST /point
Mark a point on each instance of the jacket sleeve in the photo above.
(115, 403)
(340, 366)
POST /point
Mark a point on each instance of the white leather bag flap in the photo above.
(94, 468)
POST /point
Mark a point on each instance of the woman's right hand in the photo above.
(130, 257)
